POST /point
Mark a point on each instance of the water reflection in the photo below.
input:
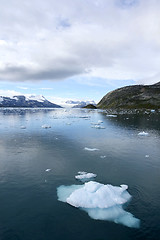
(29, 206)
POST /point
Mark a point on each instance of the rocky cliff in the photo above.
(132, 97)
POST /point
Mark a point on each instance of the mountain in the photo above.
(132, 97)
(32, 101)
(90, 106)
(81, 104)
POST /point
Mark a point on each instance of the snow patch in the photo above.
(38, 98)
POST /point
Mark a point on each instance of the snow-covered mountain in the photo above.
(32, 101)
(80, 104)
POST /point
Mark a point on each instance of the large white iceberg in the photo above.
(101, 202)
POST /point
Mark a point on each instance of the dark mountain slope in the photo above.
(132, 97)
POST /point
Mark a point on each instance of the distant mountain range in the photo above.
(79, 104)
(132, 97)
(32, 101)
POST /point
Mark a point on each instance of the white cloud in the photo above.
(9, 93)
(24, 88)
(46, 88)
(113, 39)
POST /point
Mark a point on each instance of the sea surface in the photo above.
(34, 140)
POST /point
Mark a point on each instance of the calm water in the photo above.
(29, 209)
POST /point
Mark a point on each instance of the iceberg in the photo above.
(46, 126)
(111, 115)
(85, 176)
(23, 127)
(100, 201)
(143, 133)
(48, 170)
(91, 149)
(98, 127)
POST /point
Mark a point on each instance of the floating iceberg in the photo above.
(23, 127)
(85, 176)
(101, 202)
(111, 115)
(48, 170)
(98, 127)
(46, 126)
(91, 149)
(143, 133)
(103, 156)
(100, 121)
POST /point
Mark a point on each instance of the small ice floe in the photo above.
(143, 134)
(23, 127)
(85, 117)
(152, 110)
(101, 202)
(91, 149)
(98, 127)
(92, 123)
(100, 121)
(83, 176)
(147, 156)
(103, 156)
(111, 115)
(68, 123)
(46, 126)
(48, 170)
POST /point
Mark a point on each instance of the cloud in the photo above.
(46, 88)
(52, 40)
(24, 88)
(9, 93)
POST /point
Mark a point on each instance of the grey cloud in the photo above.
(14, 73)
(114, 39)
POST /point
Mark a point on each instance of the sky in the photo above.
(77, 49)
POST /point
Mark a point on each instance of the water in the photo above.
(29, 208)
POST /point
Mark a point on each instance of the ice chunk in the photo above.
(46, 126)
(103, 156)
(98, 196)
(91, 149)
(23, 127)
(111, 115)
(98, 127)
(68, 123)
(81, 172)
(143, 133)
(85, 175)
(100, 121)
(48, 170)
(103, 202)
(147, 156)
